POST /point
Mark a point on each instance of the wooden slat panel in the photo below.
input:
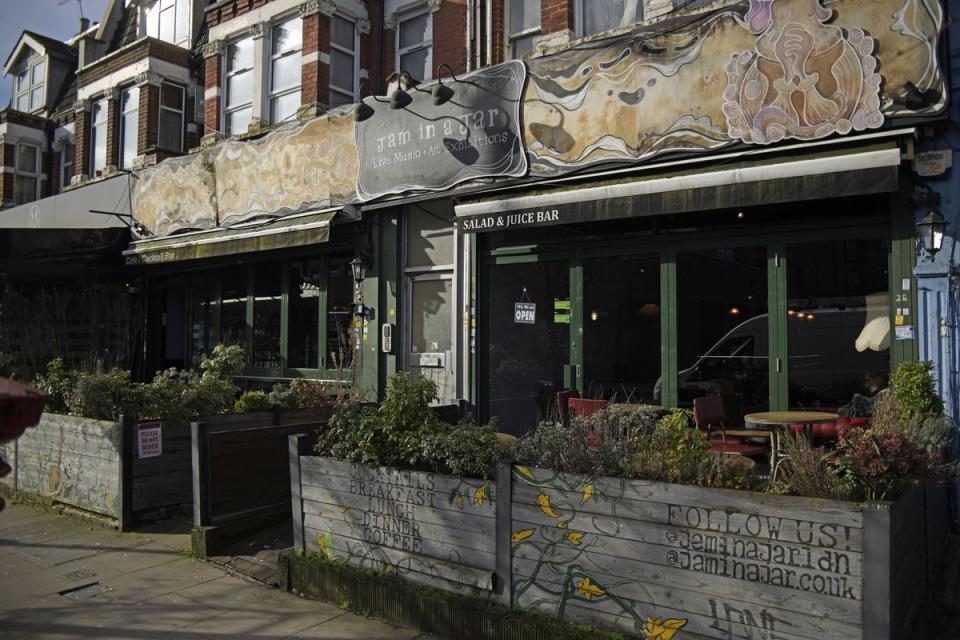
(729, 564)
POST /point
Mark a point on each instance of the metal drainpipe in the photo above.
(489, 32)
(383, 20)
(469, 33)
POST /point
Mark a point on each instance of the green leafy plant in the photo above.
(404, 431)
(312, 394)
(914, 391)
(58, 384)
(250, 401)
(282, 396)
(107, 395)
(465, 450)
(880, 466)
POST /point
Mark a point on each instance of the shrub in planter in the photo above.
(250, 401)
(106, 395)
(881, 466)
(914, 391)
(404, 431)
(283, 397)
(58, 383)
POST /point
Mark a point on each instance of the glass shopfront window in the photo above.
(266, 316)
(306, 286)
(233, 309)
(204, 304)
(621, 327)
(722, 327)
(838, 321)
(528, 327)
(339, 343)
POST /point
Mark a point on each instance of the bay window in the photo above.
(168, 20)
(26, 179)
(415, 45)
(98, 137)
(286, 44)
(238, 110)
(523, 26)
(343, 61)
(29, 87)
(129, 125)
(170, 133)
(66, 164)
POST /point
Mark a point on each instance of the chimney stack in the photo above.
(84, 24)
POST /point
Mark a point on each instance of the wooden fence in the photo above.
(650, 559)
(71, 460)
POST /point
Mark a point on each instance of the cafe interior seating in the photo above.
(710, 418)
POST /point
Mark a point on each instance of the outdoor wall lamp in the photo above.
(399, 98)
(365, 111)
(359, 266)
(931, 230)
(442, 93)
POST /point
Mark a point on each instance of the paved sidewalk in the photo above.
(138, 586)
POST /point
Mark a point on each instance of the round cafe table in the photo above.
(777, 423)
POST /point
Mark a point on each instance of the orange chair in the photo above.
(584, 407)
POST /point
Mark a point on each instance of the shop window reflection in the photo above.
(233, 307)
(621, 328)
(722, 343)
(838, 323)
(339, 338)
(306, 285)
(266, 316)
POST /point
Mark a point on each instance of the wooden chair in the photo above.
(709, 416)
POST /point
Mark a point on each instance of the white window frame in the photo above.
(511, 37)
(224, 82)
(94, 126)
(20, 173)
(182, 111)
(122, 161)
(26, 91)
(580, 17)
(151, 17)
(272, 93)
(425, 44)
(67, 162)
(355, 54)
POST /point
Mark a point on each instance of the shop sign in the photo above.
(905, 332)
(475, 134)
(525, 313)
(933, 163)
(149, 440)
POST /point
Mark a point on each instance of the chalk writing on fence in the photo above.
(739, 622)
(392, 500)
(763, 561)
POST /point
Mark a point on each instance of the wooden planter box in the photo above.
(433, 529)
(650, 559)
(71, 460)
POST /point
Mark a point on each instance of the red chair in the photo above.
(584, 407)
(823, 432)
(563, 398)
(709, 414)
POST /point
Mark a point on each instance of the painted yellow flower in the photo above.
(322, 543)
(587, 494)
(480, 495)
(343, 508)
(521, 535)
(589, 590)
(574, 537)
(389, 568)
(561, 525)
(662, 629)
(460, 501)
(544, 501)
(524, 471)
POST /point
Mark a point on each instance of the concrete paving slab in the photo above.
(350, 626)
(227, 593)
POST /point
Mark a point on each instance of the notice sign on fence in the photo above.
(525, 312)
(149, 441)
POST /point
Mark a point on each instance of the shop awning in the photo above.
(804, 176)
(279, 233)
(98, 205)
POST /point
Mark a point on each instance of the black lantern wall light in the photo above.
(933, 225)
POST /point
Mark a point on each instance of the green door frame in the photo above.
(895, 226)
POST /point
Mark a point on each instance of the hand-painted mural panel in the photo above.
(756, 72)
(663, 561)
(433, 529)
